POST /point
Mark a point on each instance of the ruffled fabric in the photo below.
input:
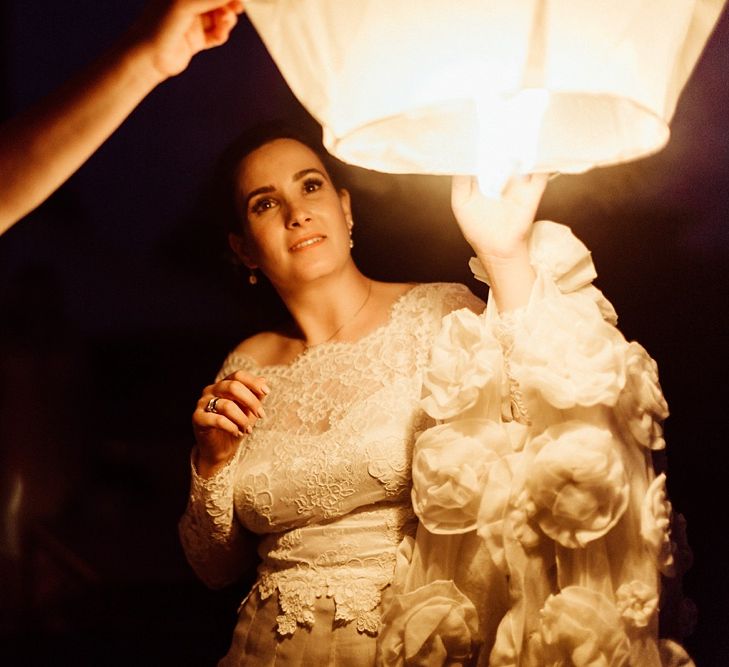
(540, 458)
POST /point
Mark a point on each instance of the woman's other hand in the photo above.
(225, 413)
(498, 231)
(172, 32)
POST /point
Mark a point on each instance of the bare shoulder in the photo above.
(253, 345)
(388, 293)
(267, 347)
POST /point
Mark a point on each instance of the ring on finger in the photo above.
(212, 405)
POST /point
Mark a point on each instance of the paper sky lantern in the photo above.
(487, 87)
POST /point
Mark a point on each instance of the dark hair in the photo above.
(226, 173)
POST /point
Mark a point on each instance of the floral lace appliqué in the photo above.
(356, 598)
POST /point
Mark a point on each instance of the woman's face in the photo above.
(296, 222)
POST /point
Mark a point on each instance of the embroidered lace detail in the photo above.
(210, 499)
(355, 564)
(329, 479)
(394, 473)
(340, 415)
(341, 422)
(356, 598)
(319, 388)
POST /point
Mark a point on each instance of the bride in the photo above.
(305, 441)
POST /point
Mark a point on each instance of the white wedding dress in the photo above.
(324, 481)
(523, 445)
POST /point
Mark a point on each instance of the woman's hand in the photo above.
(238, 407)
(498, 231)
(493, 227)
(173, 31)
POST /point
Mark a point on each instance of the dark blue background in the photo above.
(117, 307)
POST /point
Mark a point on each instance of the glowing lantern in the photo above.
(487, 86)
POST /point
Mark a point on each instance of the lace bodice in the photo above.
(325, 478)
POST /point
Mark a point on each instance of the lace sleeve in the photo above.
(454, 296)
(215, 544)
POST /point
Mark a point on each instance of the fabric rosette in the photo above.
(576, 482)
(566, 352)
(580, 626)
(637, 603)
(641, 406)
(451, 463)
(435, 624)
(465, 359)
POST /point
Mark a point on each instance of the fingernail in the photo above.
(249, 429)
(261, 413)
(265, 389)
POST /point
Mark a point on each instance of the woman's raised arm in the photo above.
(44, 146)
(498, 231)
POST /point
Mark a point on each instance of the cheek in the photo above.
(264, 242)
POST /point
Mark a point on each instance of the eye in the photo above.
(262, 205)
(312, 184)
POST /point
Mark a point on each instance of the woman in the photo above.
(305, 438)
(525, 436)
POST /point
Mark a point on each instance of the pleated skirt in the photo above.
(256, 643)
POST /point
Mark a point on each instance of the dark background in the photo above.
(116, 307)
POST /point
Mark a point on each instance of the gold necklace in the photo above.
(349, 321)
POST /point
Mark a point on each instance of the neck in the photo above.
(330, 307)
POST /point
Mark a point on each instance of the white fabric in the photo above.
(565, 504)
(324, 481)
(442, 87)
(543, 529)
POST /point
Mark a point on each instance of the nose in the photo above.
(297, 215)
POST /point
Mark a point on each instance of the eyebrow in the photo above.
(269, 188)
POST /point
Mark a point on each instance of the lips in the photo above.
(307, 242)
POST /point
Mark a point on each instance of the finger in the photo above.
(256, 383)
(245, 420)
(219, 392)
(208, 22)
(462, 188)
(241, 394)
(217, 26)
(203, 421)
(526, 189)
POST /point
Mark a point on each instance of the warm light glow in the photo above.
(508, 137)
(487, 86)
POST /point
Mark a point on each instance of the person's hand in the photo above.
(173, 31)
(238, 404)
(497, 228)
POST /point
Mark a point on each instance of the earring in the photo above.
(350, 224)
(252, 278)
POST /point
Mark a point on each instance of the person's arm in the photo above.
(41, 148)
(498, 231)
(216, 545)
